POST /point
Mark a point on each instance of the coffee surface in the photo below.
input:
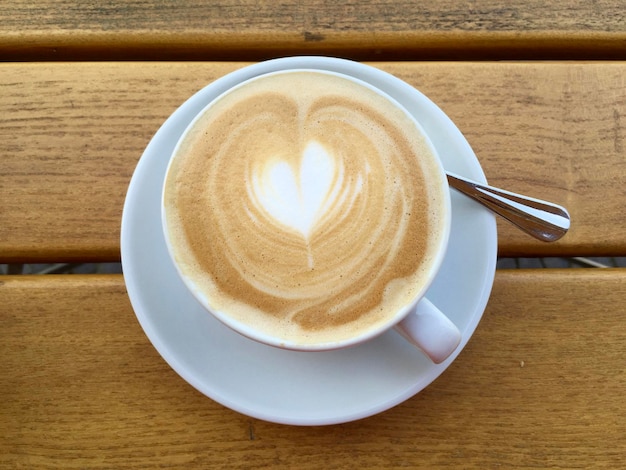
(305, 206)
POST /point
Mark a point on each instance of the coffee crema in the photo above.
(306, 206)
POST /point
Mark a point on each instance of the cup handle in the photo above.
(430, 330)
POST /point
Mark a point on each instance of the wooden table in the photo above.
(540, 385)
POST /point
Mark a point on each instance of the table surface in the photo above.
(537, 88)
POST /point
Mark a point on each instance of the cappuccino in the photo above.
(305, 206)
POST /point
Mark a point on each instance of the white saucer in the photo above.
(299, 387)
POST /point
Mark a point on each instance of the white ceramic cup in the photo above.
(421, 322)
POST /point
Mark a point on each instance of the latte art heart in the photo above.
(302, 205)
(297, 197)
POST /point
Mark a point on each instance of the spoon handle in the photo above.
(543, 220)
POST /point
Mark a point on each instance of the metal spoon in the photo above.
(543, 220)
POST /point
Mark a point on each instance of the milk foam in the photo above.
(298, 197)
(305, 206)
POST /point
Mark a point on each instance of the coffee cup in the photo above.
(308, 210)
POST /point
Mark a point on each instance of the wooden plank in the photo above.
(251, 29)
(72, 133)
(70, 138)
(540, 385)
